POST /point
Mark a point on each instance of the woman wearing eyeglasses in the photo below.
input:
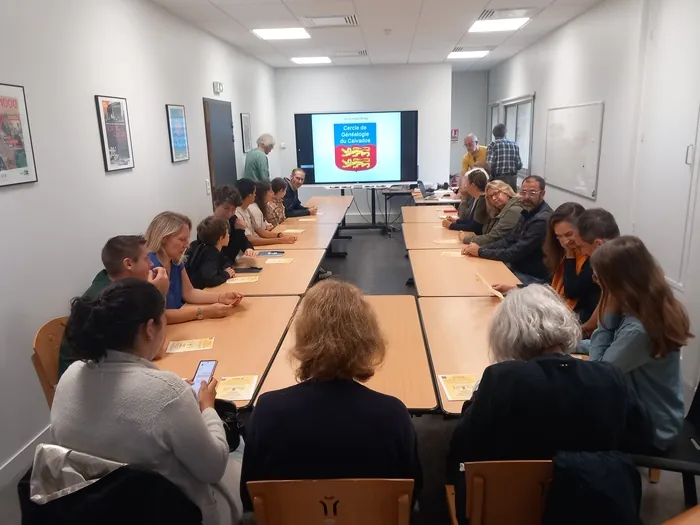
(503, 207)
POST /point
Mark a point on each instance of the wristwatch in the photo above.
(279, 235)
(200, 316)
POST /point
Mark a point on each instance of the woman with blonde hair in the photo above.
(641, 329)
(503, 208)
(329, 425)
(537, 400)
(167, 240)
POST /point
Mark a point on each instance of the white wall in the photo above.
(426, 88)
(52, 233)
(469, 108)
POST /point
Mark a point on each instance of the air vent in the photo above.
(350, 54)
(490, 14)
(458, 49)
(329, 21)
(485, 15)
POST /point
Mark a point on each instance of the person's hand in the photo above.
(446, 223)
(158, 277)
(239, 224)
(269, 227)
(503, 288)
(217, 310)
(313, 210)
(250, 253)
(472, 250)
(569, 253)
(612, 306)
(207, 394)
(287, 239)
(231, 272)
(230, 298)
(461, 236)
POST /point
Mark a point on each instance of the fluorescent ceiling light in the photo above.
(467, 54)
(289, 33)
(311, 60)
(502, 24)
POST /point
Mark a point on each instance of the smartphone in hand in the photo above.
(205, 371)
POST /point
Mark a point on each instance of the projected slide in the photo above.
(357, 147)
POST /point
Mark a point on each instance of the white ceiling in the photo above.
(420, 31)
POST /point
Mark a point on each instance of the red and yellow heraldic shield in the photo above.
(355, 146)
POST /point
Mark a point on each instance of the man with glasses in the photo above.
(521, 249)
(292, 205)
(504, 157)
(475, 154)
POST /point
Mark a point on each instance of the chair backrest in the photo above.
(507, 491)
(332, 502)
(45, 359)
(693, 415)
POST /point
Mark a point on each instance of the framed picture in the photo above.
(17, 164)
(113, 118)
(177, 129)
(245, 130)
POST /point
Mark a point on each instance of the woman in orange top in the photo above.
(572, 275)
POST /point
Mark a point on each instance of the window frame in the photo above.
(503, 106)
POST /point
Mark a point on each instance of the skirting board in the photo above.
(16, 466)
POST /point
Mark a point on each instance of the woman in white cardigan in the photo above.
(117, 405)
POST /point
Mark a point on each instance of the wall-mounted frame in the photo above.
(113, 119)
(17, 165)
(177, 131)
(245, 132)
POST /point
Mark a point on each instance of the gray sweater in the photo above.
(125, 409)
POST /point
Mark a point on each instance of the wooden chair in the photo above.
(45, 358)
(507, 491)
(689, 517)
(332, 502)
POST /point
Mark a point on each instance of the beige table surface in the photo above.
(437, 274)
(332, 201)
(423, 236)
(456, 329)
(314, 237)
(445, 197)
(430, 214)
(405, 373)
(277, 279)
(244, 342)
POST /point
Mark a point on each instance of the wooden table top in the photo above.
(277, 279)
(244, 342)
(437, 274)
(314, 237)
(430, 236)
(430, 214)
(456, 329)
(405, 373)
(445, 197)
(330, 201)
(332, 210)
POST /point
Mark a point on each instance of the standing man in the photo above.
(257, 166)
(504, 157)
(475, 154)
(292, 205)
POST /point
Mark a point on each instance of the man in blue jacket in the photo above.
(292, 205)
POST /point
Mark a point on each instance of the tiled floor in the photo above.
(377, 265)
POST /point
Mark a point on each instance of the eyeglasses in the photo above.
(495, 195)
(531, 193)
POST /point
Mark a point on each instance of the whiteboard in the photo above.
(572, 151)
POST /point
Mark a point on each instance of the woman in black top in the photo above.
(330, 425)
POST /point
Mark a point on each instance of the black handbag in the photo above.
(228, 412)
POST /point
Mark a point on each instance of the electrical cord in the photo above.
(354, 201)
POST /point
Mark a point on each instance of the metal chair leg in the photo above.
(689, 492)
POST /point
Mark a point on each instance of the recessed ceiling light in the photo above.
(311, 60)
(289, 33)
(467, 54)
(502, 24)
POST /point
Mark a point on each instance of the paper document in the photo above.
(446, 241)
(190, 345)
(284, 260)
(243, 279)
(236, 388)
(458, 387)
(452, 254)
(494, 292)
(307, 220)
(293, 231)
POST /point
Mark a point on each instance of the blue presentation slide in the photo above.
(357, 147)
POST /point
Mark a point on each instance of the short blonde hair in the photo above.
(531, 322)
(500, 186)
(337, 335)
(163, 225)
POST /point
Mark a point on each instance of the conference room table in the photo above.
(429, 236)
(289, 274)
(456, 330)
(405, 373)
(244, 342)
(314, 237)
(429, 214)
(444, 197)
(448, 273)
(331, 210)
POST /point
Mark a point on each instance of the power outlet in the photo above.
(207, 184)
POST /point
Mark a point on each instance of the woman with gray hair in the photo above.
(257, 166)
(537, 399)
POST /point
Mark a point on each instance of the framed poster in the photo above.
(177, 130)
(113, 118)
(17, 164)
(245, 130)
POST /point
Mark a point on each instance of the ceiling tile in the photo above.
(308, 8)
(484, 39)
(351, 61)
(425, 56)
(262, 16)
(338, 38)
(515, 4)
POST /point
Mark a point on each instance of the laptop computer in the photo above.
(426, 195)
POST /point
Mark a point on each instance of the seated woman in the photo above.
(226, 200)
(641, 329)
(256, 230)
(330, 425)
(167, 240)
(472, 217)
(276, 214)
(538, 400)
(503, 207)
(115, 404)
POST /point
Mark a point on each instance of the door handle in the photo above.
(689, 154)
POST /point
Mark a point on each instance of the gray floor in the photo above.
(376, 264)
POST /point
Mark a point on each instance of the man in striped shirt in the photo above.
(504, 156)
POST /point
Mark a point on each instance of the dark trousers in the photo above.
(511, 180)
